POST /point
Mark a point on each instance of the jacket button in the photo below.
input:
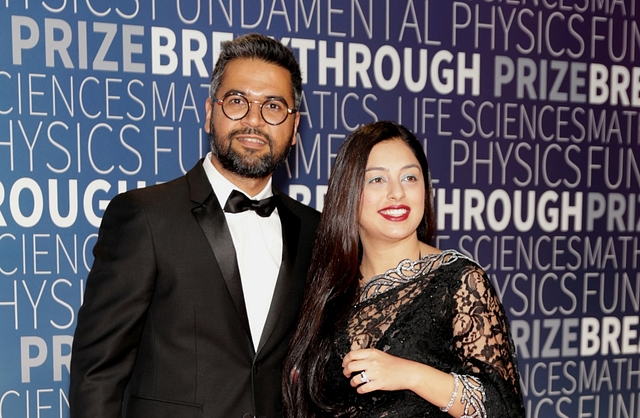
(247, 415)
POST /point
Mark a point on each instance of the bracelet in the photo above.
(454, 394)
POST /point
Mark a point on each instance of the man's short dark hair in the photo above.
(260, 47)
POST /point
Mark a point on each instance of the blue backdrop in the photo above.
(528, 111)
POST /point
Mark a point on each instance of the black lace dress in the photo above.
(440, 310)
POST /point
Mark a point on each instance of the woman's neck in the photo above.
(378, 258)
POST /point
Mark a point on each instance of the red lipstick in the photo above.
(395, 213)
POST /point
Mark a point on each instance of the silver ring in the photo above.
(364, 378)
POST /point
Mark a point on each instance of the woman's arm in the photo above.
(388, 372)
(488, 385)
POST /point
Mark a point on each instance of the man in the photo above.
(189, 309)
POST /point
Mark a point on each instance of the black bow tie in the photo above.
(239, 202)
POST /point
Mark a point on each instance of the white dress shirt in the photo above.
(258, 245)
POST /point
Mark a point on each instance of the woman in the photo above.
(391, 326)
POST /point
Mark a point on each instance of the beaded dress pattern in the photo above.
(439, 310)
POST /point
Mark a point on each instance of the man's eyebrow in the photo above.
(234, 91)
(267, 97)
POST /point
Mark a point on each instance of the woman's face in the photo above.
(392, 203)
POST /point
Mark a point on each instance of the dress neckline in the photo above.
(406, 272)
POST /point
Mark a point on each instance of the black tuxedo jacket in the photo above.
(163, 331)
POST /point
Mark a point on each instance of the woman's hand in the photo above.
(384, 371)
(387, 372)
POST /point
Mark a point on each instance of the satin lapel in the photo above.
(290, 236)
(211, 218)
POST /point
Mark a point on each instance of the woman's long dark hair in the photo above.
(333, 276)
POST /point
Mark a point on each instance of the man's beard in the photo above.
(248, 165)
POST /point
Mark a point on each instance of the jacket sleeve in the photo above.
(118, 292)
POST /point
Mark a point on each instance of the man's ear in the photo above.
(209, 109)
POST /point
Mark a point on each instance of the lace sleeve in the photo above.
(481, 334)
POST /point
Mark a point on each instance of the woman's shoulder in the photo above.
(467, 278)
(459, 268)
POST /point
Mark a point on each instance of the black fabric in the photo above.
(448, 316)
(239, 202)
(214, 225)
(160, 319)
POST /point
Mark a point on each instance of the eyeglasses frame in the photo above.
(290, 111)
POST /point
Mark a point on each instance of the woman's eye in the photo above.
(376, 180)
(411, 177)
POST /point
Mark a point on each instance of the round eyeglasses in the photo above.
(235, 107)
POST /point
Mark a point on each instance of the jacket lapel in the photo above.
(285, 282)
(210, 216)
